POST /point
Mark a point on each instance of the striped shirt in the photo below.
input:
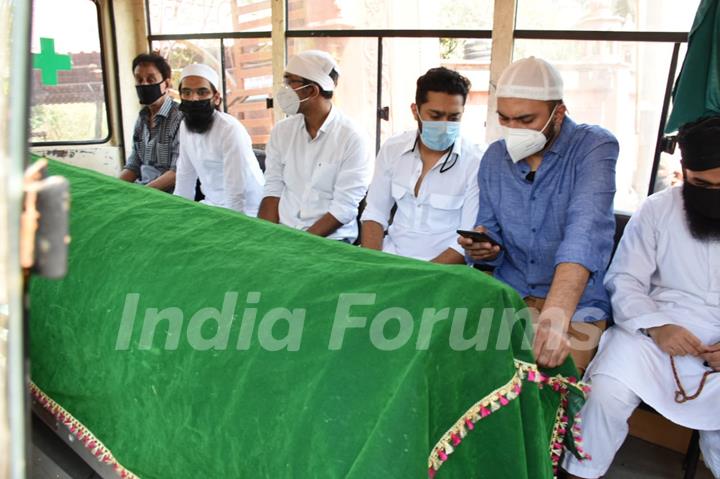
(158, 146)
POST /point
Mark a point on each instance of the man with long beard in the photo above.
(215, 147)
(665, 290)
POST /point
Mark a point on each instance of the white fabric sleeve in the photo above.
(629, 277)
(185, 176)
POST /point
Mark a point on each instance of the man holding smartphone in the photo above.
(546, 199)
(429, 173)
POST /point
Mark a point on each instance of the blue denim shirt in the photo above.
(565, 216)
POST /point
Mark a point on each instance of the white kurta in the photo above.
(662, 275)
(223, 159)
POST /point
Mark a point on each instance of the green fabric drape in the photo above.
(191, 404)
(697, 90)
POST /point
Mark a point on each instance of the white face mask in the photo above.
(288, 100)
(524, 142)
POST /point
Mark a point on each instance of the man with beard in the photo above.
(318, 163)
(155, 140)
(664, 284)
(215, 147)
(546, 199)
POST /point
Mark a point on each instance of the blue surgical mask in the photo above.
(439, 135)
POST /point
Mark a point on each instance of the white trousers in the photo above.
(605, 426)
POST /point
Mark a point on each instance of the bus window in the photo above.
(627, 15)
(214, 16)
(248, 84)
(405, 59)
(390, 15)
(357, 85)
(619, 85)
(247, 79)
(68, 103)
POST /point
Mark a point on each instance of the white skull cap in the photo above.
(314, 65)
(201, 70)
(530, 79)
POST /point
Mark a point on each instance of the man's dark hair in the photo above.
(160, 63)
(325, 94)
(441, 80)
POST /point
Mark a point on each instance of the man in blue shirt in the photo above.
(546, 198)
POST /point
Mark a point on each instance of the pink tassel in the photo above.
(469, 424)
(517, 389)
(441, 454)
(484, 412)
(531, 376)
(455, 439)
(431, 473)
(504, 401)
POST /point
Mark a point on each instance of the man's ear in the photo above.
(415, 112)
(560, 114)
(216, 99)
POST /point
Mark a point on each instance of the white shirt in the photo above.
(662, 275)
(312, 177)
(223, 159)
(425, 225)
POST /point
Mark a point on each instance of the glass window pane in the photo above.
(180, 53)
(619, 86)
(67, 94)
(641, 15)
(390, 14)
(357, 85)
(248, 84)
(404, 60)
(209, 16)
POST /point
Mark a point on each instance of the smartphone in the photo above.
(478, 237)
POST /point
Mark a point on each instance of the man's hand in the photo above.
(551, 345)
(479, 251)
(677, 341)
(712, 356)
(128, 175)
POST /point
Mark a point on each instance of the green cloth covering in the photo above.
(697, 90)
(356, 412)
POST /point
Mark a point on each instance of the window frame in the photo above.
(673, 38)
(669, 37)
(106, 84)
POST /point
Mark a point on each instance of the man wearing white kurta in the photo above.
(215, 148)
(317, 165)
(665, 289)
(430, 174)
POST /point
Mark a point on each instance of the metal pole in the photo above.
(378, 86)
(659, 145)
(17, 150)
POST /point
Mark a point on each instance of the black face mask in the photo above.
(148, 94)
(702, 208)
(198, 114)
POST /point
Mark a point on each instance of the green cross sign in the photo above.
(50, 62)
